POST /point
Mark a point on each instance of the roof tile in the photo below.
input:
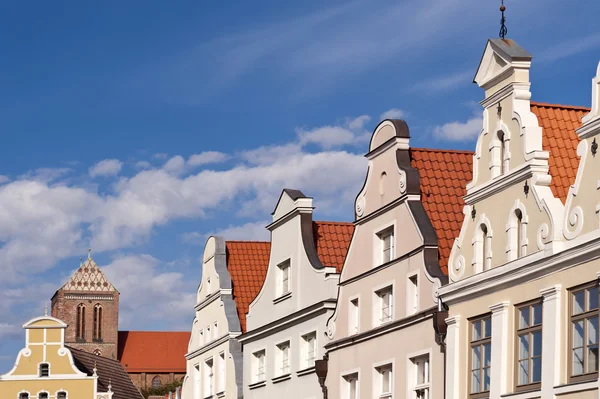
(153, 351)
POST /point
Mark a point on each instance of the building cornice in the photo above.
(205, 348)
(208, 300)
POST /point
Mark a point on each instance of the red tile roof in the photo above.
(153, 351)
(247, 261)
(444, 177)
(558, 123)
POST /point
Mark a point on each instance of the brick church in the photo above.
(89, 304)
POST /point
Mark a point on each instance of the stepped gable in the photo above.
(559, 138)
(88, 277)
(444, 176)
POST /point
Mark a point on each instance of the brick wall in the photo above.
(144, 380)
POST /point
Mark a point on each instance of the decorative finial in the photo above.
(526, 189)
(594, 147)
(499, 109)
(95, 369)
(89, 253)
(473, 212)
(46, 309)
(109, 386)
(80, 261)
(503, 30)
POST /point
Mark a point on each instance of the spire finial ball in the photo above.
(502, 8)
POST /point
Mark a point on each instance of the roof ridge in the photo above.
(332, 222)
(248, 241)
(574, 107)
(442, 150)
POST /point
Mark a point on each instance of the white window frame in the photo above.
(354, 315)
(284, 286)
(378, 233)
(412, 293)
(482, 262)
(345, 384)
(259, 375)
(383, 235)
(378, 388)
(306, 359)
(283, 363)
(201, 337)
(512, 249)
(208, 377)
(413, 387)
(216, 331)
(379, 306)
(208, 334)
(222, 367)
(500, 160)
(208, 286)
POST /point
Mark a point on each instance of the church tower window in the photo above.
(156, 383)
(98, 322)
(81, 321)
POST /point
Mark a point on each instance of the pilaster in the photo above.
(453, 350)
(500, 334)
(551, 339)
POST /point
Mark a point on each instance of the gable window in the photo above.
(351, 386)
(61, 395)
(208, 336)
(384, 376)
(412, 300)
(80, 322)
(156, 382)
(384, 301)
(259, 366)
(98, 322)
(353, 317)
(216, 331)
(201, 337)
(519, 217)
(482, 246)
(283, 283)
(221, 387)
(309, 343)
(23, 396)
(44, 370)
(386, 238)
(420, 377)
(584, 333)
(502, 142)
(529, 341)
(283, 353)
(43, 395)
(208, 286)
(480, 356)
(208, 378)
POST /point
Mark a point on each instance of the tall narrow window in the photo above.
(385, 300)
(386, 238)
(61, 395)
(502, 151)
(484, 247)
(384, 375)
(216, 330)
(208, 336)
(412, 293)
(221, 387)
(353, 317)
(98, 322)
(81, 321)
(208, 378)
(481, 351)
(44, 370)
(584, 333)
(351, 382)
(208, 286)
(420, 383)
(259, 366)
(310, 349)
(283, 283)
(284, 358)
(156, 382)
(519, 232)
(529, 341)
(201, 337)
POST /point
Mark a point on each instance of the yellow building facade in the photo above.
(45, 368)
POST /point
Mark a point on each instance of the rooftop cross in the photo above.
(503, 30)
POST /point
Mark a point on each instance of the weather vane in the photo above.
(503, 30)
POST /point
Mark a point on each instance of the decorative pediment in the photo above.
(88, 277)
(500, 58)
(595, 111)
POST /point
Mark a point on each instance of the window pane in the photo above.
(578, 334)
(592, 298)
(578, 361)
(592, 359)
(524, 347)
(592, 331)
(536, 372)
(537, 343)
(487, 355)
(578, 302)
(385, 383)
(487, 327)
(477, 330)
(537, 314)
(523, 372)
(476, 358)
(486, 379)
(524, 317)
(475, 383)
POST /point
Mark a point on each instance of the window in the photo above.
(97, 352)
(309, 342)
(529, 345)
(284, 278)
(259, 366)
(208, 336)
(413, 295)
(208, 378)
(420, 372)
(156, 382)
(44, 370)
(23, 396)
(481, 350)
(385, 301)
(284, 358)
(584, 333)
(81, 321)
(97, 322)
(387, 245)
(208, 287)
(502, 151)
(61, 395)
(221, 372)
(484, 247)
(384, 376)
(351, 386)
(43, 395)
(201, 337)
(216, 331)
(519, 217)
(353, 317)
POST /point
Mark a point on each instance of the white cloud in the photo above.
(569, 48)
(160, 155)
(351, 132)
(4, 179)
(45, 175)
(393, 113)
(207, 157)
(106, 167)
(175, 164)
(253, 231)
(459, 131)
(143, 165)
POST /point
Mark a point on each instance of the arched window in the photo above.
(81, 321)
(484, 246)
(44, 370)
(156, 383)
(43, 395)
(502, 140)
(519, 232)
(61, 395)
(24, 395)
(97, 352)
(98, 322)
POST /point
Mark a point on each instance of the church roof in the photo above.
(88, 277)
(153, 351)
(109, 372)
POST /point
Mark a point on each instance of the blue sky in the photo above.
(138, 129)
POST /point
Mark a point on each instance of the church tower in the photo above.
(89, 304)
